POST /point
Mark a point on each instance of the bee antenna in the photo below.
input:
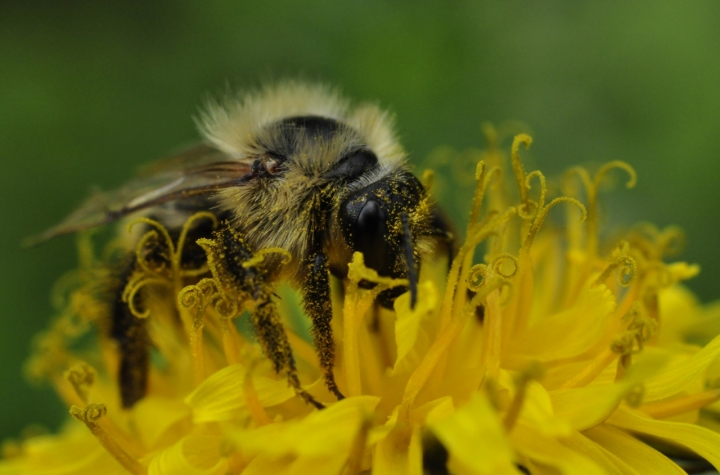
(409, 259)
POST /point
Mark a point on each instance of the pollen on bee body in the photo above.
(546, 332)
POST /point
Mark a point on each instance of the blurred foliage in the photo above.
(90, 90)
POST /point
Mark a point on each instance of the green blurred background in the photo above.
(90, 90)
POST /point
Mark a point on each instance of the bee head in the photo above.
(382, 221)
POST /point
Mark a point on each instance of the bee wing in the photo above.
(201, 170)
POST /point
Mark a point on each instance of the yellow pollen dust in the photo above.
(539, 346)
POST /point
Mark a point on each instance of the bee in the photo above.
(292, 166)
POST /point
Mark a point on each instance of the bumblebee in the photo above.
(292, 166)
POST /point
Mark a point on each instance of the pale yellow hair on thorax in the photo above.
(232, 124)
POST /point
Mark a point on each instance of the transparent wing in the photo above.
(201, 170)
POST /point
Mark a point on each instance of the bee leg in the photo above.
(267, 324)
(131, 334)
(274, 341)
(318, 306)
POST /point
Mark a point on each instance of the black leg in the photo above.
(131, 334)
(273, 339)
(267, 324)
(318, 306)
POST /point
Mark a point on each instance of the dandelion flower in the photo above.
(564, 350)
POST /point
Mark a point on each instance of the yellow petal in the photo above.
(588, 406)
(638, 455)
(683, 270)
(321, 433)
(700, 440)
(267, 465)
(706, 325)
(74, 452)
(193, 455)
(411, 339)
(475, 439)
(547, 451)
(681, 372)
(570, 332)
(220, 397)
(153, 416)
(598, 454)
(433, 411)
(399, 453)
(537, 409)
(679, 310)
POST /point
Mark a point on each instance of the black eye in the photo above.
(354, 164)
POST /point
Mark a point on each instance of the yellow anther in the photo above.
(600, 175)
(631, 314)
(480, 177)
(543, 186)
(488, 286)
(225, 306)
(500, 263)
(531, 373)
(528, 209)
(357, 272)
(517, 165)
(89, 414)
(137, 283)
(150, 274)
(477, 275)
(186, 229)
(259, 257)
(680, 405)
(582, 175)
(252, 401)
(196, 295)
(624, 344)
(635, 395)
(62, 289)
(640, 329)
(645, 327)
(479, 170)
(626, 267)
(490, 133)
(542, 214)
(81, 377)
(671, 241)
(591, 188)
(492, 391)
(358, 448)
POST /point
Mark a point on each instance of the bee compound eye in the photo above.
(371, 220)
(369, 232)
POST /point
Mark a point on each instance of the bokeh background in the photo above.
(91, 90)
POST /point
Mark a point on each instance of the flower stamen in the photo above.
(357, 451)
(532, 373)
(626, 266)
(257, 411)
(681, 405)
(519, 170)
(355, 307)
(90, 415)
(81, 377)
